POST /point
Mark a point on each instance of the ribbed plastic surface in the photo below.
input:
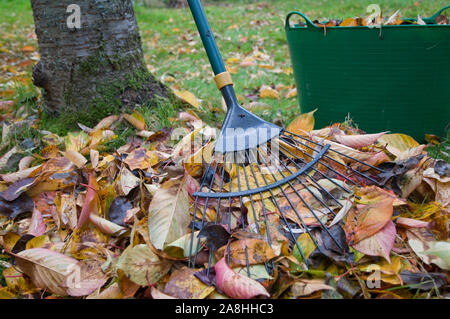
(399, 82)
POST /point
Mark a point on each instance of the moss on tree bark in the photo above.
(98, 69)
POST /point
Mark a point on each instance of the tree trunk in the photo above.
(96, 69)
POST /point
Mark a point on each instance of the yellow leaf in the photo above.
(398, 143)
(76, 158)
(291, 93)
(349, 22)
(268, 92)
(136, 119)
(302, 124)
(27, 48)
(233, 60)
(266, 66)
(76, 141)
(188, 97)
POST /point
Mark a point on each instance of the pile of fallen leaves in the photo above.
(77, 221)
(379, 20)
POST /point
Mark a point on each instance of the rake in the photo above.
(260, 169)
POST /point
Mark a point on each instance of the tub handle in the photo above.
(309, 23)
(433, 17)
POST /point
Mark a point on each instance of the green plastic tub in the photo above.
(396, 78)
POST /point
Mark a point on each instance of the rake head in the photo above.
(255, 180)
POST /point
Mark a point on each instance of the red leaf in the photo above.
(379, 244)
(37, 227)
(236, 285)
(89, 201)
(358, 141)
(411, 223)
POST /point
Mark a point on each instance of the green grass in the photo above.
(442, 150)
(172, 47)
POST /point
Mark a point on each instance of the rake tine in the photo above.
(312, 193)
(263, 207)
(203, 219)
(292, 205)
(247, 262)
(217, 215)
(282, 215)
(310, 208)
(315, 169)
(331, 169)
(262, 201)
(229, 216)
(346, 166)
(240, 199)
(340, 153)
(239, 183)
(195, 209)
(251, 200)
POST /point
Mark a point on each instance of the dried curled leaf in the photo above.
(236, 285)
(142, 266)
(358, 141)
(59, 273)
(168, 219)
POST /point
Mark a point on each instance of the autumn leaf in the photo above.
(59, 273)
(90, 202)
(255, 251)
(142, 266)
(236, 285)
(183, 284)
(358, 141)
(363, 221)
(188, 97)
(136, 119)
(379, 244)
(303, 124)
(167, 214)
(267, 92)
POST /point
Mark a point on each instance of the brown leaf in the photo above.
(365, 220)
(258, 252)
(183, 284)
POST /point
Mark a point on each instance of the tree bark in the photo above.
(98, 68)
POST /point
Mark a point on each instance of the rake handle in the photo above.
(207, 36)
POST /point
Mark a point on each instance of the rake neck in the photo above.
(214, 56)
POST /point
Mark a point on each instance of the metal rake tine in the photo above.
(263, 207)
(311, 192)
(262, 201)
(203, 219)
(240, 200)
(301, 197)
(239, 182)
(251, 200)
(217, 215)
(292, 205)
(340, 153)
(310, 208)
(282, 215)
(195, 207)
(346, 166)
(331, 169)
(229, 216)
(315, 169)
